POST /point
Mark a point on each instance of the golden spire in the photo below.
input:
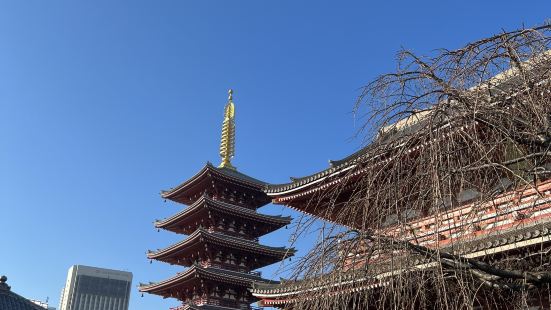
(227, 143)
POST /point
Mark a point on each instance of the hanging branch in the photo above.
(473, 122)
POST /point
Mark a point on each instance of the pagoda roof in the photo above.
(227, 174)
(207, 203)
(195, 272)
(202, 235)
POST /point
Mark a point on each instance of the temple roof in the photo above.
(287, 291)
(336, 168)
(390, 135)
(203, 236)
(501, 83)
(530, 235)
(205, 307)
(197, 272)
(209, 171)
(207, 203)
(393, 133)
(12, 301)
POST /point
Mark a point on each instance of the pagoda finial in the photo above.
(227, 143)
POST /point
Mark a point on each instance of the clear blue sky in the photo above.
(104, 103)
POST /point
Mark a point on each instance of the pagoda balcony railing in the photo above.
(233, 234)
(220, 303)
(216, 302)
(230, 267)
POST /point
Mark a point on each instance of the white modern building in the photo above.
(43, 304)
(92, 288)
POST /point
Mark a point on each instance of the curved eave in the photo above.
(202, 235)
(169, 283)
(299, 186)
(196, 271)
(291, 290)
(336, 167)
(285, 192)
(536, 234)
(498, 83)
(205, 201)
(166, 252)
(225, 173)
(305, 293)
(205, 307)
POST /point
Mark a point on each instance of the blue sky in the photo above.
(104, 103)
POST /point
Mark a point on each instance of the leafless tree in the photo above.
(453, 128)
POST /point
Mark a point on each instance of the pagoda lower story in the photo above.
(208, 288)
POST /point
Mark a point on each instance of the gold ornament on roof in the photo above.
(227, 143)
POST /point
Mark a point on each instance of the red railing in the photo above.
(215, 302)
(507, 211)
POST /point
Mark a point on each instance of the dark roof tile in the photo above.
(12, 301)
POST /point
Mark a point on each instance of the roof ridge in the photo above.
(225, 172)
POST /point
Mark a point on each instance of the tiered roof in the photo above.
(190, 190)
(201, 238)
(182, 222)
(196, 274)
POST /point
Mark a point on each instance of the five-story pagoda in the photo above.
(221, 249)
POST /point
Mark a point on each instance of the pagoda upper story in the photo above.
(223, 227)
(223, 184)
